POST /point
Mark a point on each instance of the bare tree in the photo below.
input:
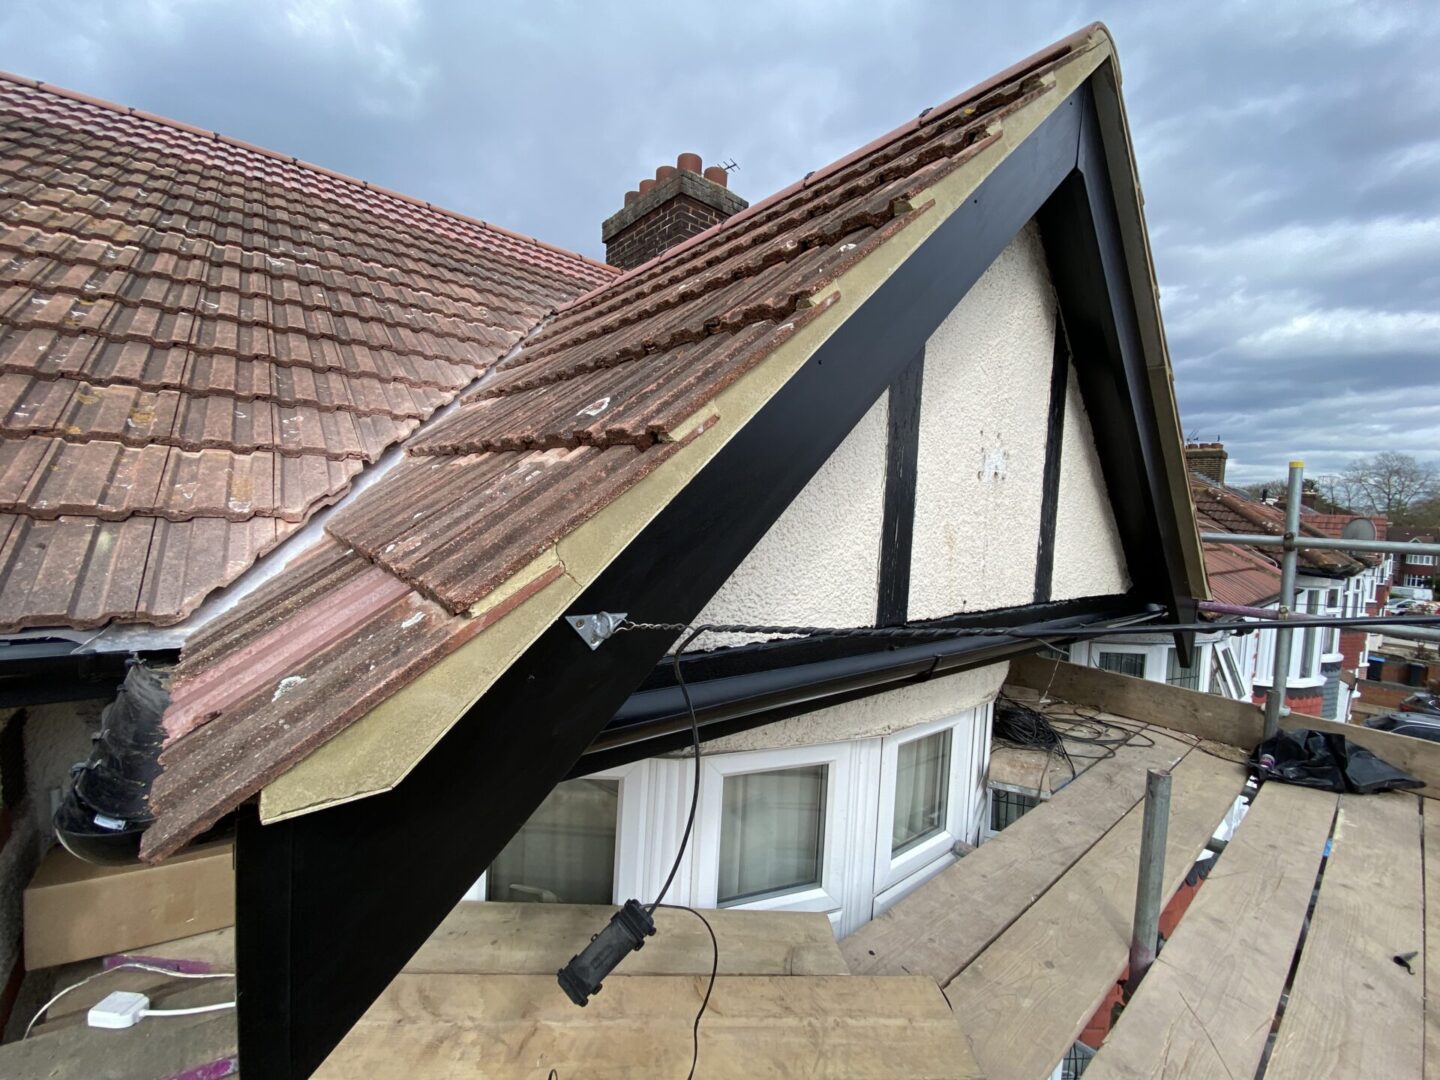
(1389, 483)
(1341, 491)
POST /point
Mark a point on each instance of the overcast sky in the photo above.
(1290, 152)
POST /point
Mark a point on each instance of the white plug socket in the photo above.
(119, 1009)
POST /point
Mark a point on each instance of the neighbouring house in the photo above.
(344, 467)
(1325, 664)
(1414, 575)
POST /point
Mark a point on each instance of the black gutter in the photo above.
(727, 697)
(44, 672)
(701, 664)
(760, 697)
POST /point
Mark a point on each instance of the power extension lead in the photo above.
(119, 1009)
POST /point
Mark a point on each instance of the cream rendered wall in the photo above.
(982, 440)
(819, 565)
(1088, 558)
(866, 718)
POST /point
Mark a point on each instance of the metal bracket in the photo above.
(595, 630)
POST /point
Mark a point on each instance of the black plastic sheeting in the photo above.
(1329, 762)
(106, 807)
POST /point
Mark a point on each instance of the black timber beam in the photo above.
(1054, 456)
(897, 531)
(1080, 229)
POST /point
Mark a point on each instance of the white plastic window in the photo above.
(772, 832)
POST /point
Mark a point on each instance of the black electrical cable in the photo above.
(1017, 724)
(709, 988)
(695, 742)
(940, 633)
(684, 843)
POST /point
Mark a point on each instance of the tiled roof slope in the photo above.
(201, 343)
(618, 381)
(1224, 509)
(1239, 575)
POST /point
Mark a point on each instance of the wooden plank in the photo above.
(1205, 1008)
(1352, 1010)
(214, 950)
(435, 1026)
(1209, 716)
(1026, 998)
(539, 939)
(943, 925)
(521, 939)
(1432, 939)
(153, 1048)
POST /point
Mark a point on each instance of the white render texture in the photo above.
(866, 718)
(982, 440)
(1088, 558)
(819, 565)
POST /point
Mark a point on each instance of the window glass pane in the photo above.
(1123, 663)
(772, 826)
(1176, 674)
(1007, 806)
(922, 783)
(565, 853)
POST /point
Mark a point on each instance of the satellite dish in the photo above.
(1358, 529)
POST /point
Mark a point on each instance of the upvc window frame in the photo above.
(627, 874)
(937, 851)
(829, 893)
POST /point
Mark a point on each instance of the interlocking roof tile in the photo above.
(622, 377)
(202, 342)
(1223, 509)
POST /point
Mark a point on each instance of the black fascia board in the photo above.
(384, 870)
(1088, 267)
(795, 689)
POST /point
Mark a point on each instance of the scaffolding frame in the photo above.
(1292, 543)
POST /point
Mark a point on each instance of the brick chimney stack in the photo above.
(681, 201)
(1208, 459)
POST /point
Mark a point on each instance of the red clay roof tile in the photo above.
(202, 342)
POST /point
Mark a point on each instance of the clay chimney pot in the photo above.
(631, 196)
(645, 186)
(664, 172)
(688, 163)
(716, 175)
